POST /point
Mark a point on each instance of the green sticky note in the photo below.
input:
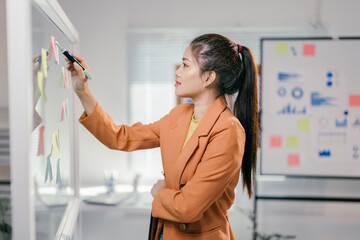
(282, 49)
(304, 125)
(292, 142)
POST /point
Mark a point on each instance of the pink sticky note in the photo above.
(293, 160)
(309, 49)
(354, 100)
(50, 52)
(275, 141)
(53, 49)
(41, 141)
(66, 83)
(63, 111)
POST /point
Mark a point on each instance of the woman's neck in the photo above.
(202, 104)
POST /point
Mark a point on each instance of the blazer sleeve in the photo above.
(121, 137)
(220, 163)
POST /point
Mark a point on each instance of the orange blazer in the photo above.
(200, 179)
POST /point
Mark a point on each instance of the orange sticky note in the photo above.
(275, 141)
(293, 160)
(354, 100)
(309, 50)
(41, 141)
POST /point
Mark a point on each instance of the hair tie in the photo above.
(239, 48)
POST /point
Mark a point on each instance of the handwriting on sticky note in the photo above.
(293, 160)
(282, 49)
(275, 141)
(40, 78)
(304, 125)
(292, 142)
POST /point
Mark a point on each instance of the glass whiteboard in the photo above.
(53, 159)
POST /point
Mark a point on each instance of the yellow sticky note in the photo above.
(62, 77)
(44, 62)
(292, 142)
(55, 142)
(304, 125)
(282, 49)
(40, 80)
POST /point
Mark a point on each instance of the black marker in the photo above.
(72, 59)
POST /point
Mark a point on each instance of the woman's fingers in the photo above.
(82, 61)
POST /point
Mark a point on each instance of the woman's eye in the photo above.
(184, 65)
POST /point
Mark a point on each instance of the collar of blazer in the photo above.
(203, 129)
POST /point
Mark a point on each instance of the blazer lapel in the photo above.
(203, 129)
(178, 132)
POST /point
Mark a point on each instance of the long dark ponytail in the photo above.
(237, 73)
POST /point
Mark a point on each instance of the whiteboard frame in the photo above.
(19, 45)
(344, 38)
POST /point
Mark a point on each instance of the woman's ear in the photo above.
(209, 78)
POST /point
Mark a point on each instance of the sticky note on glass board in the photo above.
(275, 141)
(309, 50)
(292, 142)
(354, 100)
(66, 83)
(55, 142)
(41, 141)
(293, 160)
(304, 125)
(44, 62)
(282, 49)
(40, 79)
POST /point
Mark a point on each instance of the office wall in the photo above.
(341, 17)
(103, 42)
(4, 102)
(3, 66)
(102, 30)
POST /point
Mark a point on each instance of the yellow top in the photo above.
(193, 124)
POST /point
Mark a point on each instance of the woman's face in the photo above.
(188, 77)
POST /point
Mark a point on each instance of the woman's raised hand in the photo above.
(79, 81)
(80, 84)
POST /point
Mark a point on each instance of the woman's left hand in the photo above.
(157, 187)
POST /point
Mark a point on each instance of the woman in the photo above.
(203, 145)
